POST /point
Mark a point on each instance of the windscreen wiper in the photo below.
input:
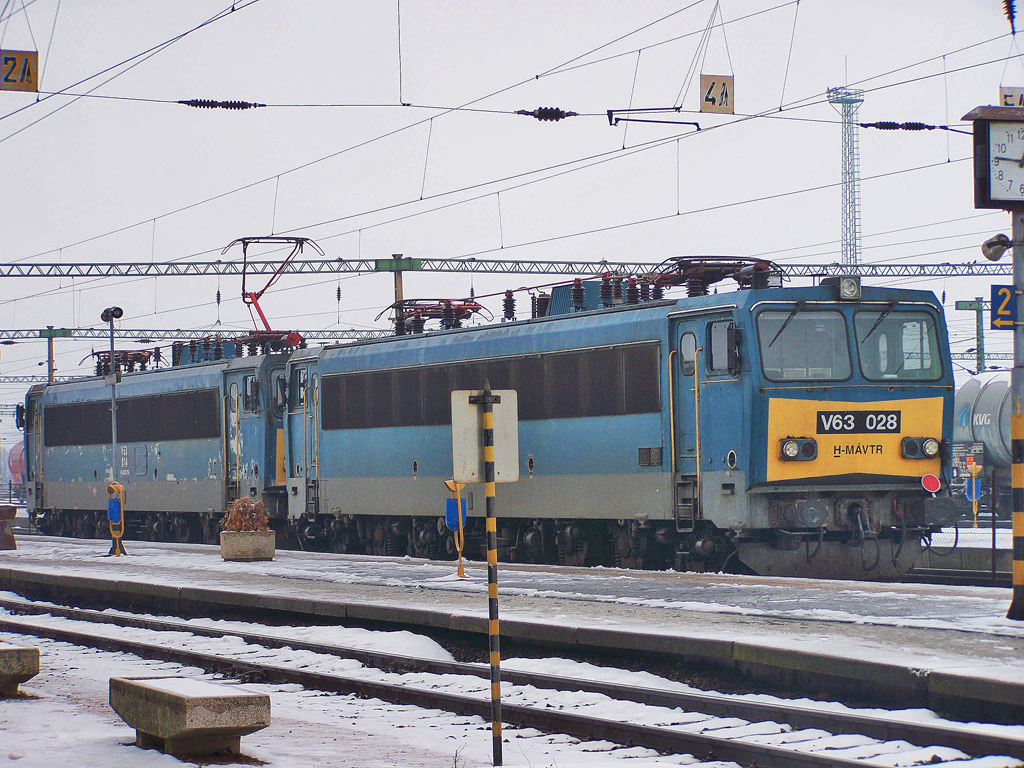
(884, 314)
(799, 305)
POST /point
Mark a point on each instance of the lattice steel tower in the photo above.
(849, 101)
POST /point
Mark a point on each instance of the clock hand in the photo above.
(1019, 162)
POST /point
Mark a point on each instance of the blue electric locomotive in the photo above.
(777, 431)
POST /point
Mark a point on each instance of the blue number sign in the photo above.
(1003, 312)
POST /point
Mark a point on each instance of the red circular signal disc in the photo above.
(931, 483)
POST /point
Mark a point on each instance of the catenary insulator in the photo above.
(416, 323)
(658, 293)
(617, 290)
(399, 322)
(447, 315)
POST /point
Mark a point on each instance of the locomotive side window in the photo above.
(803, 345)
(173, 416)
(718, 346)
(898, 345)
(687, 353)
(608, 381)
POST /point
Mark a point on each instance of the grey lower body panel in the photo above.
(612, 497)
(149, 496)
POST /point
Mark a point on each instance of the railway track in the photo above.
(772, 734)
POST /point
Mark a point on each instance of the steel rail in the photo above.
(710, 703)
(663, 739)
(496, 266)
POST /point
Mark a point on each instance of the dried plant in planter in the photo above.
(246, 514)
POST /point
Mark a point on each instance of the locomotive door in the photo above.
(303, 440)
(685, 438)
(243, 434)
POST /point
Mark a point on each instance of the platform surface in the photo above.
(959, 630)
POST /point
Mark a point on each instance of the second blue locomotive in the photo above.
(767, 430)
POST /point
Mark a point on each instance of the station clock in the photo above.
(998, 157)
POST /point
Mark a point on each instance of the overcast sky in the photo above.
(135, 179)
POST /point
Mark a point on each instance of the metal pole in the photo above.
(980, 318)
(113, 408)
(992, 505)
(492, 574)
(1016, 610)
(50, 367)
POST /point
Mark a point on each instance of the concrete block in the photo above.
(247, 545)
(17, 664)
(183, 716)
(7, 515)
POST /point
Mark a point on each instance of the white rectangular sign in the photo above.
(468, 437)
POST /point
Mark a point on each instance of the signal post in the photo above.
(999, 184)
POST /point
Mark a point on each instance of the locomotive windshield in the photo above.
(897, 345)
(803, 345)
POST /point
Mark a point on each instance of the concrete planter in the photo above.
(247, 545)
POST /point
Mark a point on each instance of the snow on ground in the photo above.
(319, 707)
(64, 720)
(982, 610)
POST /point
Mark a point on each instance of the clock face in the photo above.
(1006, 161)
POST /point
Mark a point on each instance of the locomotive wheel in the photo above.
(180, 531)
(56, 524)
(100, 525)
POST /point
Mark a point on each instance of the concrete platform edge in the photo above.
(911, 686)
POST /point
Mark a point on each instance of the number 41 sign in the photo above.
(1003, 312)
(716, 94)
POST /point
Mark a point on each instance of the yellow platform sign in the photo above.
(716, 94)
(19, 70)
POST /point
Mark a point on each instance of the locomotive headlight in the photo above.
(799, 449)
(920, 447)
(849, 288)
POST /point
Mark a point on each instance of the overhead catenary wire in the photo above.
(465, 107)
(128, 64)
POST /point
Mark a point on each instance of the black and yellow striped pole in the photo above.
(1016, 611)
(486, 401)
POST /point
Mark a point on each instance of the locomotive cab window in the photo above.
(280, 392)
(250, 394)
(687, 354)
(898, 345)
(297, 389)
(723, 347)
(799, 344)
